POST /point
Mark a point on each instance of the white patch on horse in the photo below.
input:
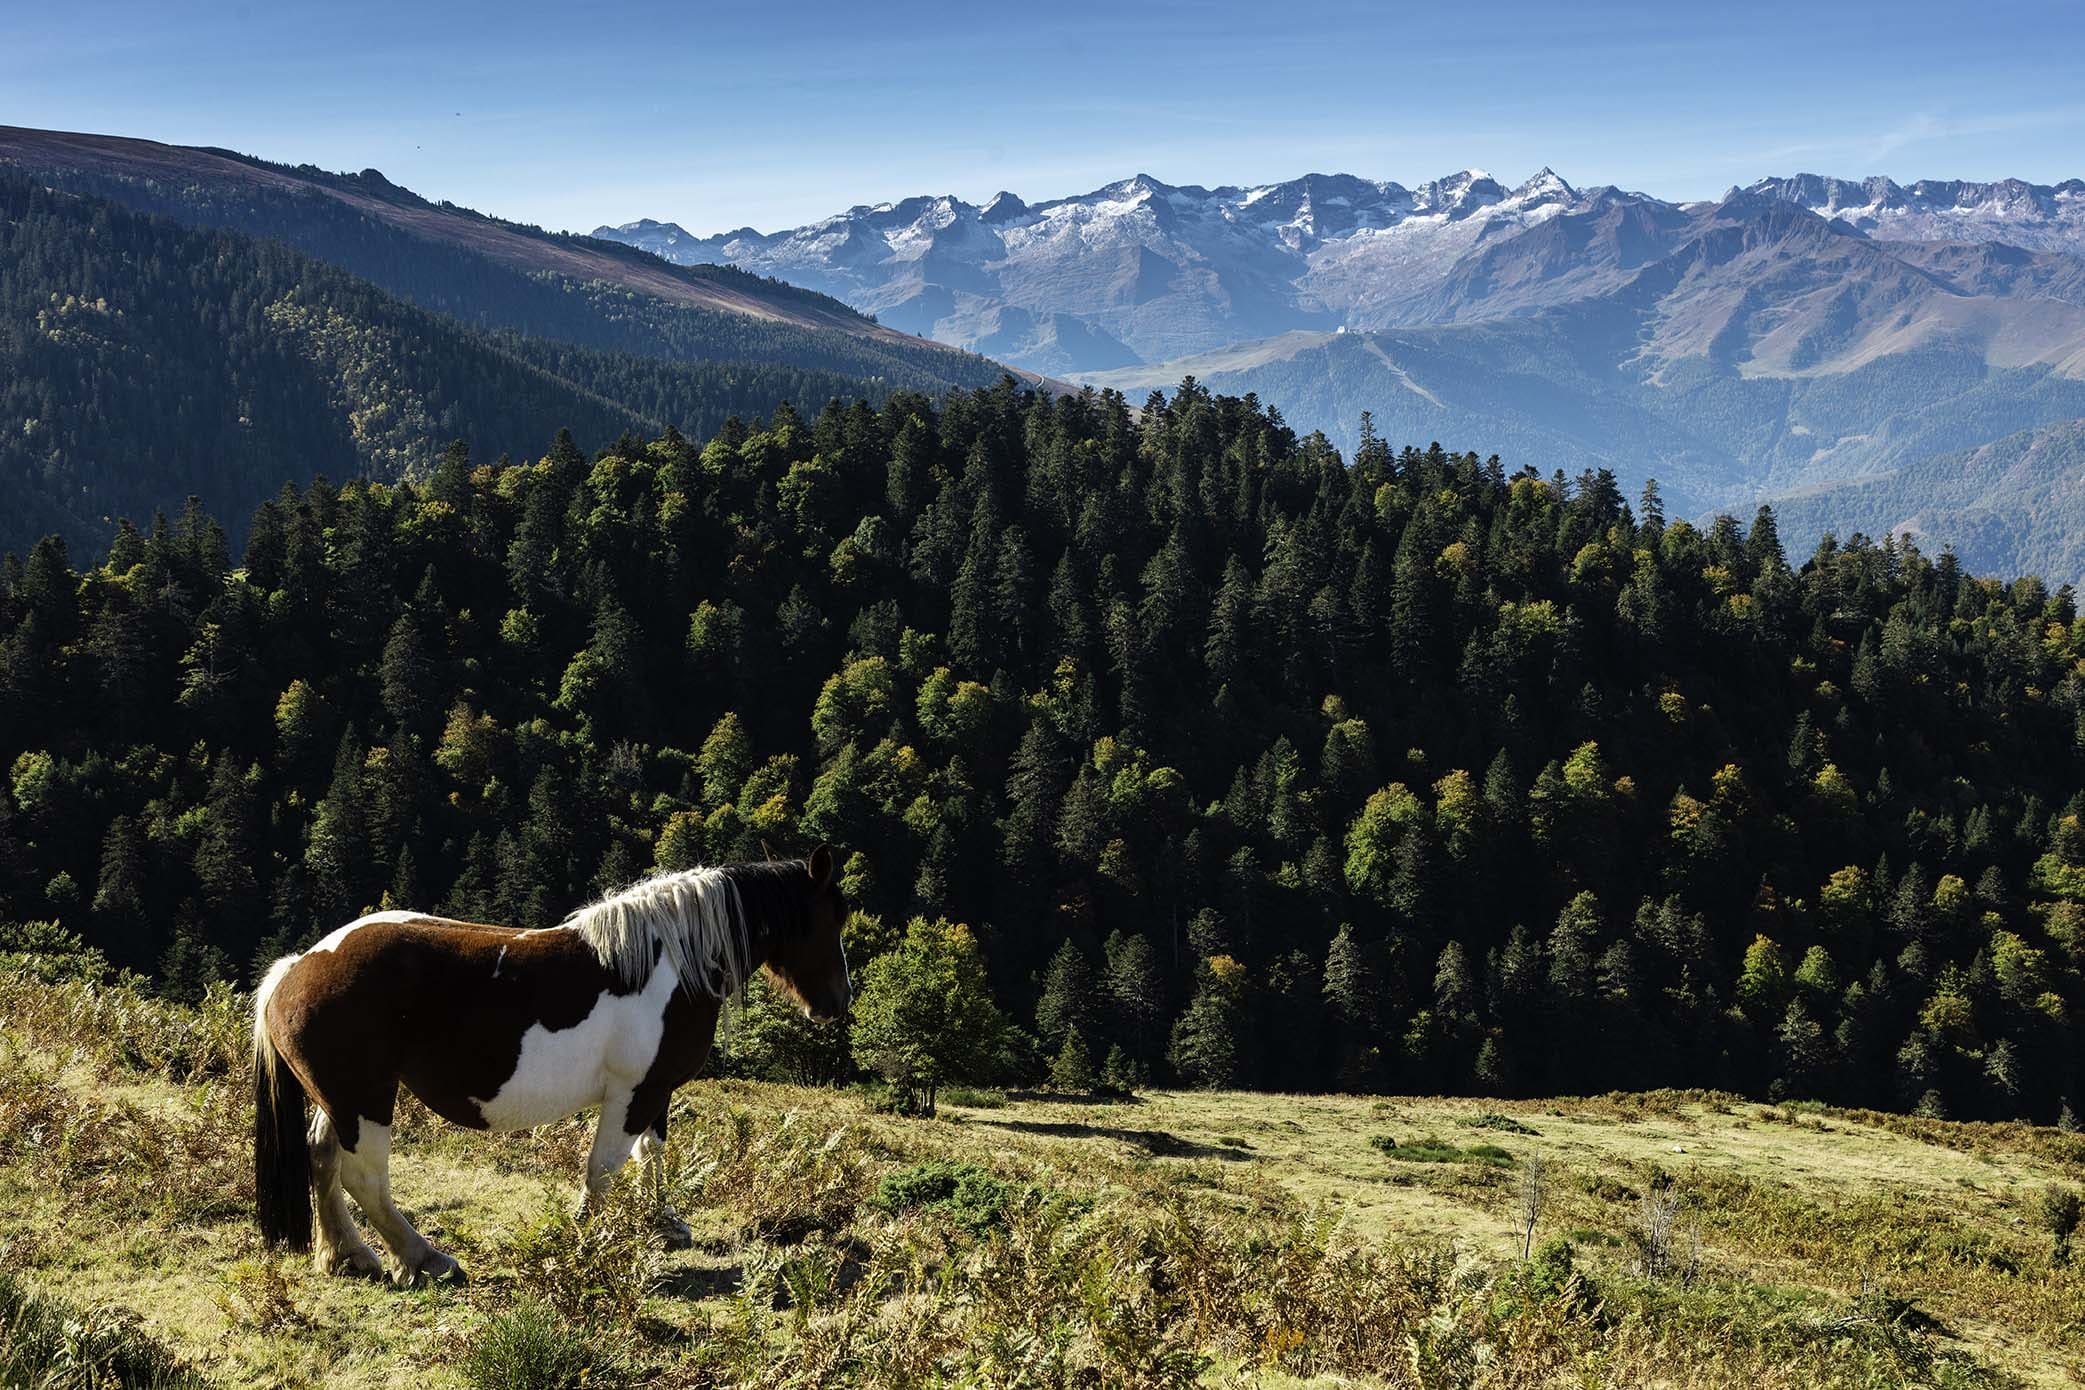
(562, 1071)
(332, 939)
(499, 962)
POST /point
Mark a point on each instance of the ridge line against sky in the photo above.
(721, 117)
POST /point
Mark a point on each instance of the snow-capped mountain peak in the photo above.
(1546, 183)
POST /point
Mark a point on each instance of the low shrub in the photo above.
(528, 1347)
(966, 1194)
(596, 1271)
(783, 1178)
(1430, 1148)
(259, 1295)
(974, 1098)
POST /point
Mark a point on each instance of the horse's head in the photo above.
(811, 964)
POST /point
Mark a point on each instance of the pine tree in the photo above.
(336, 848)
(1206, 1049)
(1072, 1069)
(1067, 1002)
(1135, 990)
(1352, 990)
(120, 910)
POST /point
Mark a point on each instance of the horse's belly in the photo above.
(563, 1071)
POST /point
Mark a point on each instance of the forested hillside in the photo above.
(142, 361)
(1266, 767)
(2007, 505)
(493, 274)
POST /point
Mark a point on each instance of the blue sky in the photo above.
(776, 114)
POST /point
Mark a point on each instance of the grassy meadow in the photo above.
(1178, 1239)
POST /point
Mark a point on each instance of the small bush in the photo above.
(596, 1270)
(974, 1098)
(1553, 1273)
(784, 1179)
(2059, 1210)
(1504, 1124)
(1608, 1189)
(1433, 1149)
(258, 1294)
(529, 1348)
(966, 1194)
(879, 1099)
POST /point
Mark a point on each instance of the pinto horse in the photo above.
(500, 1028)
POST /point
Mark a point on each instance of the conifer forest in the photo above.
(1245, 764)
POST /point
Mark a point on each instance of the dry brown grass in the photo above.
(1184, 1239)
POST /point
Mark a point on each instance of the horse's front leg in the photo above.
(651, 1161)
(612, 1145)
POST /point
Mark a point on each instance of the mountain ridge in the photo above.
(495, 274)
(1239, 262)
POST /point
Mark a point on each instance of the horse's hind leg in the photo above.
(366, 1169)
(340, 1245)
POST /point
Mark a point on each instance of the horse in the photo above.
(503, 1028)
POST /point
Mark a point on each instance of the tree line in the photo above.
(1228, 761)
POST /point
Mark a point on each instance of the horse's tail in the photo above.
(281, 1149)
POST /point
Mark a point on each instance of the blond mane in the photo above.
(691, 920)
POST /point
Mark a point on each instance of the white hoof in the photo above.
(352, 1261)
(434, 1267)
(674, 1233)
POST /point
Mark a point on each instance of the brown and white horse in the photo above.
(499, 1028)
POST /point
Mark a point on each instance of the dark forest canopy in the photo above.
(1264, 767)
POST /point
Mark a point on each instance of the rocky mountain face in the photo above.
(2037, 217)
(1734, 350)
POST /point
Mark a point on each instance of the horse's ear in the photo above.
(821, 867)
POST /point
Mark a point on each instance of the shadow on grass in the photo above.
(1155, 1142)
(698, 1282)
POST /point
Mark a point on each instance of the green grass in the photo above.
(1191, 1239)
(47, 1343)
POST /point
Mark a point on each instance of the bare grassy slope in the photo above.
(1182, 1239)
